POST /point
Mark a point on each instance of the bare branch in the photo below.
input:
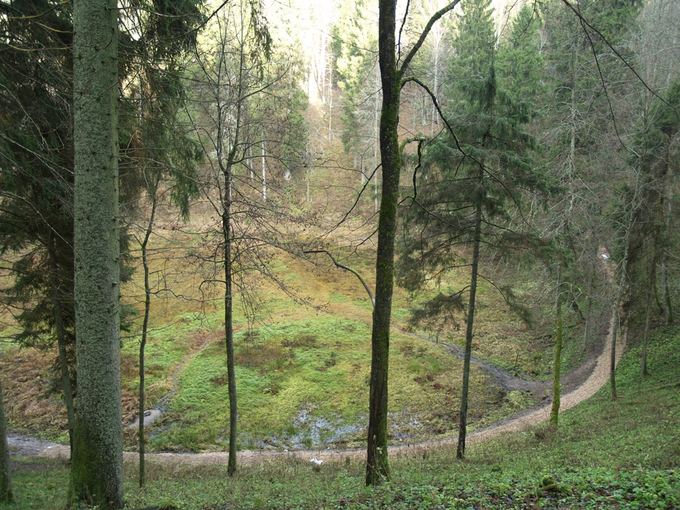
(346, 268)
(412, 52)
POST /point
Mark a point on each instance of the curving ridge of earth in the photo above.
(597, 378)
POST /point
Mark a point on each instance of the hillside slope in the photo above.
(622, 454)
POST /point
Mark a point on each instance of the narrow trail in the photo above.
(503, 378)
(598, 377)
(156, 412)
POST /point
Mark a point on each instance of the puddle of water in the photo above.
(313, 432)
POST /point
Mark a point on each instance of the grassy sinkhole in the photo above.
(305, 384)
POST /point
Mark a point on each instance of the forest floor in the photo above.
(622, 454)
(597, 378)
(305, 354)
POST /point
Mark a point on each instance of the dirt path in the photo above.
(503, 378)
(596, 380)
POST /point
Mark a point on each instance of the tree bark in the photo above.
(97, 466)
(644, 370)
(668, 215)
(377, 466)
(6, 495)
(228, 324)
(469, 329)
(589, 310)
(263, 159)
(616, 319)
(612, 357)
(668, 302)
(376, 143)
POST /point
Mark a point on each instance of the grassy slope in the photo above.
(623, 454)
(309, 363)
(277, 369)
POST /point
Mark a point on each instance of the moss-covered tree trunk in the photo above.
(97, 465)
(377, 466)
(612, 353)
(667, 230)
(5, 475)
(391, 76)
(667, 299)
(616, 326)
(470, 324)
(557, 362)
(589, 309)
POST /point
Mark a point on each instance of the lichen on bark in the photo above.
(96, 468)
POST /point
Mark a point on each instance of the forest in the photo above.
(329, 254)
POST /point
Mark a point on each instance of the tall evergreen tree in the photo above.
(475, 176)
(36, 150)
(36, 184)
(97, 464)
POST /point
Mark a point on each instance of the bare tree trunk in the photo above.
(377, 466)
(557, 363)
(612, 357)
(435, 86)
(330, 106)
(668, 304)
(469, 330)
(251, 172)
(6, 495)
(376, 136)
(229, 327)
(263, 150)
(141, 440)
(61, 343)
(644, 370)
(616, 326)
(363, 170)
(586, 325)
(657, 298)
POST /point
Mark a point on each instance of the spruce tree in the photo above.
(473, 178)
(97, 463)
(36, 153)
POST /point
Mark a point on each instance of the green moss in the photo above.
(290, 375)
